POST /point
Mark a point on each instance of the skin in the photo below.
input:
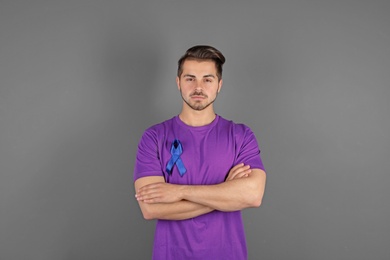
(243, 188)
(199, 86)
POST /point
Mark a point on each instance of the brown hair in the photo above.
(202, 52)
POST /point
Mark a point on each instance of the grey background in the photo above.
(81, 80)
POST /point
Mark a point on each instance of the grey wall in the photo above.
(81, 80)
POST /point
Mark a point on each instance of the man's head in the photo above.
(199, 77)
(203, 53)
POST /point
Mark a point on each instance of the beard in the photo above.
(198, 105)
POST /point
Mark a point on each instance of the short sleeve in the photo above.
(248, 150)
(147, 160)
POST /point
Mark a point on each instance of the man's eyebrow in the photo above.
(193, 76)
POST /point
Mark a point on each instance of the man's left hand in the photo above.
(159, 192)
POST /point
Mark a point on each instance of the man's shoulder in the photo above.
(163, 128)
(162, 125)
(154, 132)
(237, 127)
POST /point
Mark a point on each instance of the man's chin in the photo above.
(198, 105)
(198, 108)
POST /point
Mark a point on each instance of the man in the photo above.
(194, 173)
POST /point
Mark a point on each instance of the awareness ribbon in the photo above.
(176, 151)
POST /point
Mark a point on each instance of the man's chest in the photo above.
(207, 159)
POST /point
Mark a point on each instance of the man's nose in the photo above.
(198, 85)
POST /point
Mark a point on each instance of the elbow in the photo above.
(256, 190)
(148, 216)
(256, 197)
(148, 213)
(255, 201)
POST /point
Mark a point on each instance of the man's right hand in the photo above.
(239, 171)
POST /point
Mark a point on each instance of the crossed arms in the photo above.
(243, 188)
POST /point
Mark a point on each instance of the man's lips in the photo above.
(198, 96)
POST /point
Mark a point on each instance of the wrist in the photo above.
(184, 191)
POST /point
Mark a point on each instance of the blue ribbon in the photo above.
(176, 151)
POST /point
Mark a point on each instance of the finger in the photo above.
(243, 174)
(148, 197)
(238, 170)
(150, 201)
(144, 192)
(237, 166)
(150, 186)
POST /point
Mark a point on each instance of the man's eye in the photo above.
(189, 79)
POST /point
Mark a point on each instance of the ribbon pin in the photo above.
(176, 151)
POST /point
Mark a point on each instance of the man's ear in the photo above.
(178, 82)
(220, 85)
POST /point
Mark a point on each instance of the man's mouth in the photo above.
(198, 95)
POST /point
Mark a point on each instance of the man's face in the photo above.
(199, 84)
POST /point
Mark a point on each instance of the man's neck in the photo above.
(197, 118)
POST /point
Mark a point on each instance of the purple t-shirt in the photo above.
(209, 152)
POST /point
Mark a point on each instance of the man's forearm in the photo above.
(173, 211)
(177, 209)
(228, 196)
(236, 194)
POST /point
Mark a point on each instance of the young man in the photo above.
(195, 172)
